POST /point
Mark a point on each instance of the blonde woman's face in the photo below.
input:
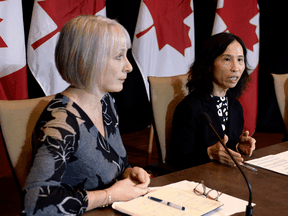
(117, 69)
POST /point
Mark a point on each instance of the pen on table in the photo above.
(167, 203)
(249, 167)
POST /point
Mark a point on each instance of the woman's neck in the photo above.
(218, 91)
(83, 98)
(90, 104)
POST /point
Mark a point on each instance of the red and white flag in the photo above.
(163, 44)
(242, 19)
(48, 18)
(13, 71)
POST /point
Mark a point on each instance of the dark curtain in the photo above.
(273, 58)
(133, 106)
(132, 102)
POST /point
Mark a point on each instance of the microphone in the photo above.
(207, 120)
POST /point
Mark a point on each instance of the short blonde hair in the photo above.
(84, 47)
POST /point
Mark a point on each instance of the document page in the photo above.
(277, 163)
(283, 155)
(194, 205)
(231, 205)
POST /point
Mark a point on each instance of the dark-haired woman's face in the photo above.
(228, 69)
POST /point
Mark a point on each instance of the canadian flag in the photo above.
(242, 19)
(163, 44)
(48, 18)
(13, 71)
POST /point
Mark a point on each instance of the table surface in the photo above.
(270, 189)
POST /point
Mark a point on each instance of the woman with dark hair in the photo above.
(217, 78)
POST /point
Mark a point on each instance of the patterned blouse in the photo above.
(72, 157)
(222, 109)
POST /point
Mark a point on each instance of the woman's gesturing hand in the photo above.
(218, 152)
(247, 144)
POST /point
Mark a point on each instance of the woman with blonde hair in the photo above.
(80, 162)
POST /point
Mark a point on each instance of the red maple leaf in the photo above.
(236, 14)
(168, 17)
(62, 11)
(2, 42)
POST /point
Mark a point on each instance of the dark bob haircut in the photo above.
(201, 71)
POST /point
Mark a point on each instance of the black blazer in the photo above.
(190, 137)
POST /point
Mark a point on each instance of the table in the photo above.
(270, 189)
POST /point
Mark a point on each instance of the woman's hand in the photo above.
(247, 144)
(138, 175)
(134, 184)
(218, 152)
(125, 190)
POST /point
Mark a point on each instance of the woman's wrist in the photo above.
(108, 199)
(100, 198)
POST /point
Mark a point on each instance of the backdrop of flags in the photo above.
(242, 19)
(48, 18)
(13, 71)
(163, 44)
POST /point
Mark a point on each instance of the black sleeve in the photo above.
(237, 126)
(186, 149)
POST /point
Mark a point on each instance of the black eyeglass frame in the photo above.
(198, 193)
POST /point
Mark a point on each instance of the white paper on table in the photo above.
(283, 155)
(276, 163)
(231, 205)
